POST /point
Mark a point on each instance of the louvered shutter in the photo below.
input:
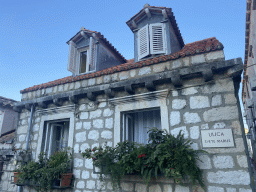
(72, 57)
(92, 55)
(143, 42)
(157, 38)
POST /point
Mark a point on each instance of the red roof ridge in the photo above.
(190, 49)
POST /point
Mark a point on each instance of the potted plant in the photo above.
(165, 154)
(47, 173)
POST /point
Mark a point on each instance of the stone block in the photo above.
(107, 78)
(179, 188)
(242, 161)
(81, 136)
(245, 190)
(114, 77)
(167, 188)
(198, 102)
(123, 75)
(85, 174)
(76, 148)
(101, 185)
(84, 115)
(176, 131)
(35, 127)
(236, 127)
(95, 114)
(88, 164)
(178, 103)
(93, 135)
(230, 99)
(109, 123)
(91, 82)
(205, 162)
(239, 177)
(191, 118)
(197, 59)
(205, 126)
(154, 188)
(194, 146)
(144, 71)
(106, 135)
(107, 112)
(231, 189)
(82, 107)
(79, 125)
(127, 186)
(176, 63)
(221, 113)
(77, 173)
(196, 188)
(215, 55)
(78, 162)
(160, 67)
(140, 187)
(215, 189)
(87, 125)
(223, 162)
(133, 72)
(99, 80)
(194, 132)
(98, 123)
(66, 87)
(90, 184)
(174, 118)
(189, 91)
(22, 138)
(186, 61)
(219, 86)
(84, 146)
(60, 88)
(220, 125)
(102, 104)
(175, 93)
(22, 129)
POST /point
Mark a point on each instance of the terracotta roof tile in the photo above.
(8, 138)
(198, 47)
(6, 101)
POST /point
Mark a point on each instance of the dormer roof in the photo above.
(99, 37)
(167, 13)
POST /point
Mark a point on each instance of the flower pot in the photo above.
(66, 179)
(16, 175)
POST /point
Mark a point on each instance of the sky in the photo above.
(33, 34)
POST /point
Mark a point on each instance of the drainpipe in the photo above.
(20, 188)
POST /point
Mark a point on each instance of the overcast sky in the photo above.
(33, 34)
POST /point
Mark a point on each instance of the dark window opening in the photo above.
(83, 61)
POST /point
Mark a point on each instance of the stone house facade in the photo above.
(186, 87)
(249, 76)
(8, 125)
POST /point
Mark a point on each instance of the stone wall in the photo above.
(196, 106)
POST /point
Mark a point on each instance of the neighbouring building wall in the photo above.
(195, 107)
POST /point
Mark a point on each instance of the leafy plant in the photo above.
(45, 171)
(164, 154)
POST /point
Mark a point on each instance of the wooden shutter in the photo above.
(72, 57)
(143, 42)
(92, 55)
(157, 38)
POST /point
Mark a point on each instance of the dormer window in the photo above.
(84, 61)
(89, 51)
(151, 40)
(155, 32)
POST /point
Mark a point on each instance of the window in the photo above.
(55, 136)
(151, 40)
(82, 59)
(137, 123)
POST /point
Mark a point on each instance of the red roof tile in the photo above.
(8, 138)
(198, 47)
(6, 101)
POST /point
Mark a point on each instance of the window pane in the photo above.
(83, 59)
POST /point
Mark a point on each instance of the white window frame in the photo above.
(139, 105)
(59, 117)
(87, 59)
